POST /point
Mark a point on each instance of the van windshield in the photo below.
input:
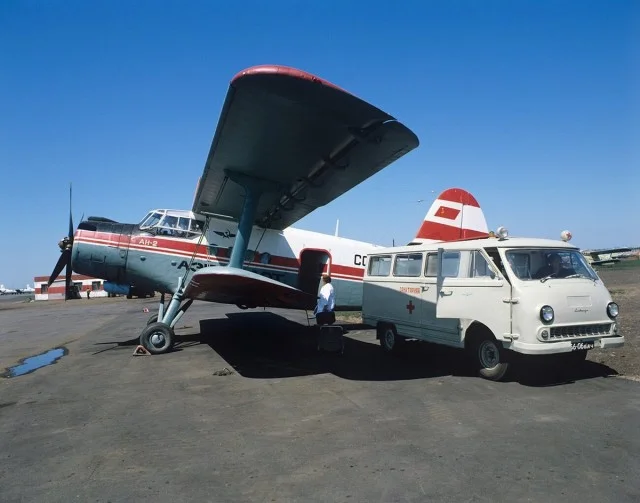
(545, 264)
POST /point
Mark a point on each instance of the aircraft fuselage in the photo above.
(158, 258)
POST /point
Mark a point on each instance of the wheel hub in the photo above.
(389, 339)
(489, 355)
(157, 339)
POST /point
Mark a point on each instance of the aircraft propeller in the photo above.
(66, 246)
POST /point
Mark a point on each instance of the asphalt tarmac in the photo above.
(246, 409)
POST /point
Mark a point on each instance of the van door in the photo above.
(470, 289)
(443, 330)
(407, 272)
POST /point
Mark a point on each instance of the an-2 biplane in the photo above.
(607, 256)
(287, 142)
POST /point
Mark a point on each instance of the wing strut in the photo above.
(253, 188)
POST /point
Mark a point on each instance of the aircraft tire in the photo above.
(152, 319)
(157, 338)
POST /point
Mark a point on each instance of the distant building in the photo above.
(82, 284)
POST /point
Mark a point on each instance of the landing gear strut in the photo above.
(158, 336)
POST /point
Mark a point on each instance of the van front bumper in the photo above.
(548, 348)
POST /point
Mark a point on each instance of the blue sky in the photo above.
(531, 106)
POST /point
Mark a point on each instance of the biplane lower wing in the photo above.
(304, 139)
(245, 288)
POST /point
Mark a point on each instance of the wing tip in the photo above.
(288, 71)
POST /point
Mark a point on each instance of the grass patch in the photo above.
(349, 316)
(623, 264)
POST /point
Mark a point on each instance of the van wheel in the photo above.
(390, 341)
(490, 358)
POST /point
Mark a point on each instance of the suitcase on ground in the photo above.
(331, 338)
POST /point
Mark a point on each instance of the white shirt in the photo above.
(327, 298)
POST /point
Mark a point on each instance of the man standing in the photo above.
(326, 303)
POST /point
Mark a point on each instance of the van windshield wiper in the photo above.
(542, 280)
(580, 275)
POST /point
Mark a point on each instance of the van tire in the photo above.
(390, 341)
(490, 358)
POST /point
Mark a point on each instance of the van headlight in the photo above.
(612, 310)
(546, 314)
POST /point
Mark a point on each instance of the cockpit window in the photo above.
(150, 220)
(171, 225)
(544, 264)
(196, 226)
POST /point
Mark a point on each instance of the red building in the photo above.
(83, 284)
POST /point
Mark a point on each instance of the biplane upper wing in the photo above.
(309, 140)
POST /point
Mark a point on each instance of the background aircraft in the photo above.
(27, 289)
(287, 142)
(6, 291)
(606, 256)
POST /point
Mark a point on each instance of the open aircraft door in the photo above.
(469, 288)
(313, 264)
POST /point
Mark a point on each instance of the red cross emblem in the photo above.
(410, 307)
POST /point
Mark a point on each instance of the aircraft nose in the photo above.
(101, 249)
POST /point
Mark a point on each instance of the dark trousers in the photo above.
(325, 318)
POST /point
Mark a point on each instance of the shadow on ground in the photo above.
(263, 345)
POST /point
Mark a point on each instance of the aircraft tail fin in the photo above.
(454, 215)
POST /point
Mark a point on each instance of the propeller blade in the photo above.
(67, 280)
(62, 261)
(70, 215)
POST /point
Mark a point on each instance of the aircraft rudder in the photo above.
(455, 214)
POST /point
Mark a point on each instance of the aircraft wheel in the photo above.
(157, 338)
(152, 319)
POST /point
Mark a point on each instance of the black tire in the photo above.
(152, 319)
(490, 358)
(390, 341)
(157, 338)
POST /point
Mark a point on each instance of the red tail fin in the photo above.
(454, 215)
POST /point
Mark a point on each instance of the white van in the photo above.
(492, 297)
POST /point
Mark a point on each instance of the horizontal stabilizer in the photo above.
(245, 288)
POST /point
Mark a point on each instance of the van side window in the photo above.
(380, 266)
(450, 264)
(431, 267)
(479, 268)
(408, 264)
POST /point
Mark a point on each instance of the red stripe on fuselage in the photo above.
(186, 249)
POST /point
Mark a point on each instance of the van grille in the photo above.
(580, 330)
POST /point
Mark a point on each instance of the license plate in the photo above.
(577, 346)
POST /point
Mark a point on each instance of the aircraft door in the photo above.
(313, 264)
